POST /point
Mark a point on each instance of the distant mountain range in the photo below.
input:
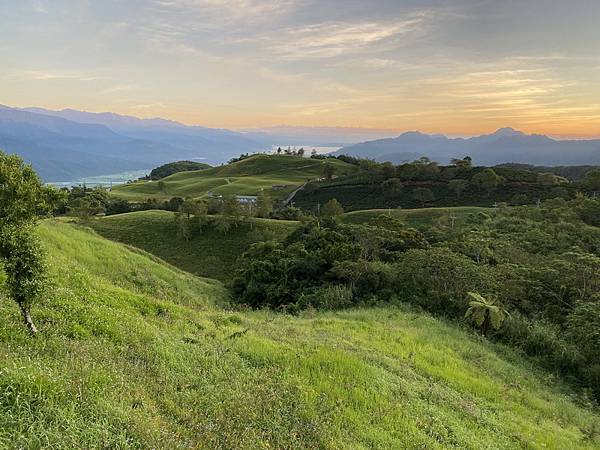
(504, 146)
(319, 136)
(68, 144)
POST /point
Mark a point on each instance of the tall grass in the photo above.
(138, 354)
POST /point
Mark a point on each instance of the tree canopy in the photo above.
(23, 200)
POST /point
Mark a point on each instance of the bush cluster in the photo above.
(541, 265)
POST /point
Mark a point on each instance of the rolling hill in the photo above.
(506, 145)
(415, 218)
(138, 354)
(246, 177)
(156, 232)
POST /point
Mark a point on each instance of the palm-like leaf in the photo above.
(481, 309)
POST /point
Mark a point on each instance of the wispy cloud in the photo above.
(56, 76)
(117, 89)
(220, 12)
(331, 39)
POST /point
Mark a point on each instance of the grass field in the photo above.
(246, 177)
(137, 354)
(416, 218)
(209, 253)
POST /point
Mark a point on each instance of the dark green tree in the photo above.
(458, 186)
(423, 195)
(392, 187)
(592, 180)
(328, 171)
(332, 209)
(264, 204)
(388, 170)
(487, 180)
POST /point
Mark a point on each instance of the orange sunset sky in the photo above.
(459, 67)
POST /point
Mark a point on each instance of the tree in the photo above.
(23, 199)
(190, 212)
(182, 222)
(84, 208)
(548, 179)
(583, 327)
(264, 204)
(388, 170)
(328, 171)
(407, 171)
(458, 186)
(332, 209)
(423, 195)
(301, 152)
(392, 187)
(588, 209)
(230, 214)
(484, 313)
(592, 180)
(487, 180)
(174, 203)
(162, 187)
(463, 165)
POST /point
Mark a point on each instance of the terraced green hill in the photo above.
(137, 354)
(416, 218)
(208, 253)
(246, 177)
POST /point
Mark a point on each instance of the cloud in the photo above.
(117, 88)
(331, 39)
(222, 12)
(57, 76)
(40, 7)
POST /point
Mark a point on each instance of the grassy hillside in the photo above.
(246, 177)
(416, 218)
(135, 354)
(209, 253)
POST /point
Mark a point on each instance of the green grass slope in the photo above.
(246, 177)
(136, 354)
(208, 253)
(416, 218)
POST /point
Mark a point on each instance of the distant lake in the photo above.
(104, 180)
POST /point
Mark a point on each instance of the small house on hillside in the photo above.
(246, 199)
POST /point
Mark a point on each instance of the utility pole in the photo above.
(452, 220)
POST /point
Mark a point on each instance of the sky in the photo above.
(459, 67)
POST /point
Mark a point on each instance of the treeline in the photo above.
(572, 173)
(86, 202)
(526, 276)
(175, 167)
(425, 183)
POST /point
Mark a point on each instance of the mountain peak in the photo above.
(413, 134)
(507, 131)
